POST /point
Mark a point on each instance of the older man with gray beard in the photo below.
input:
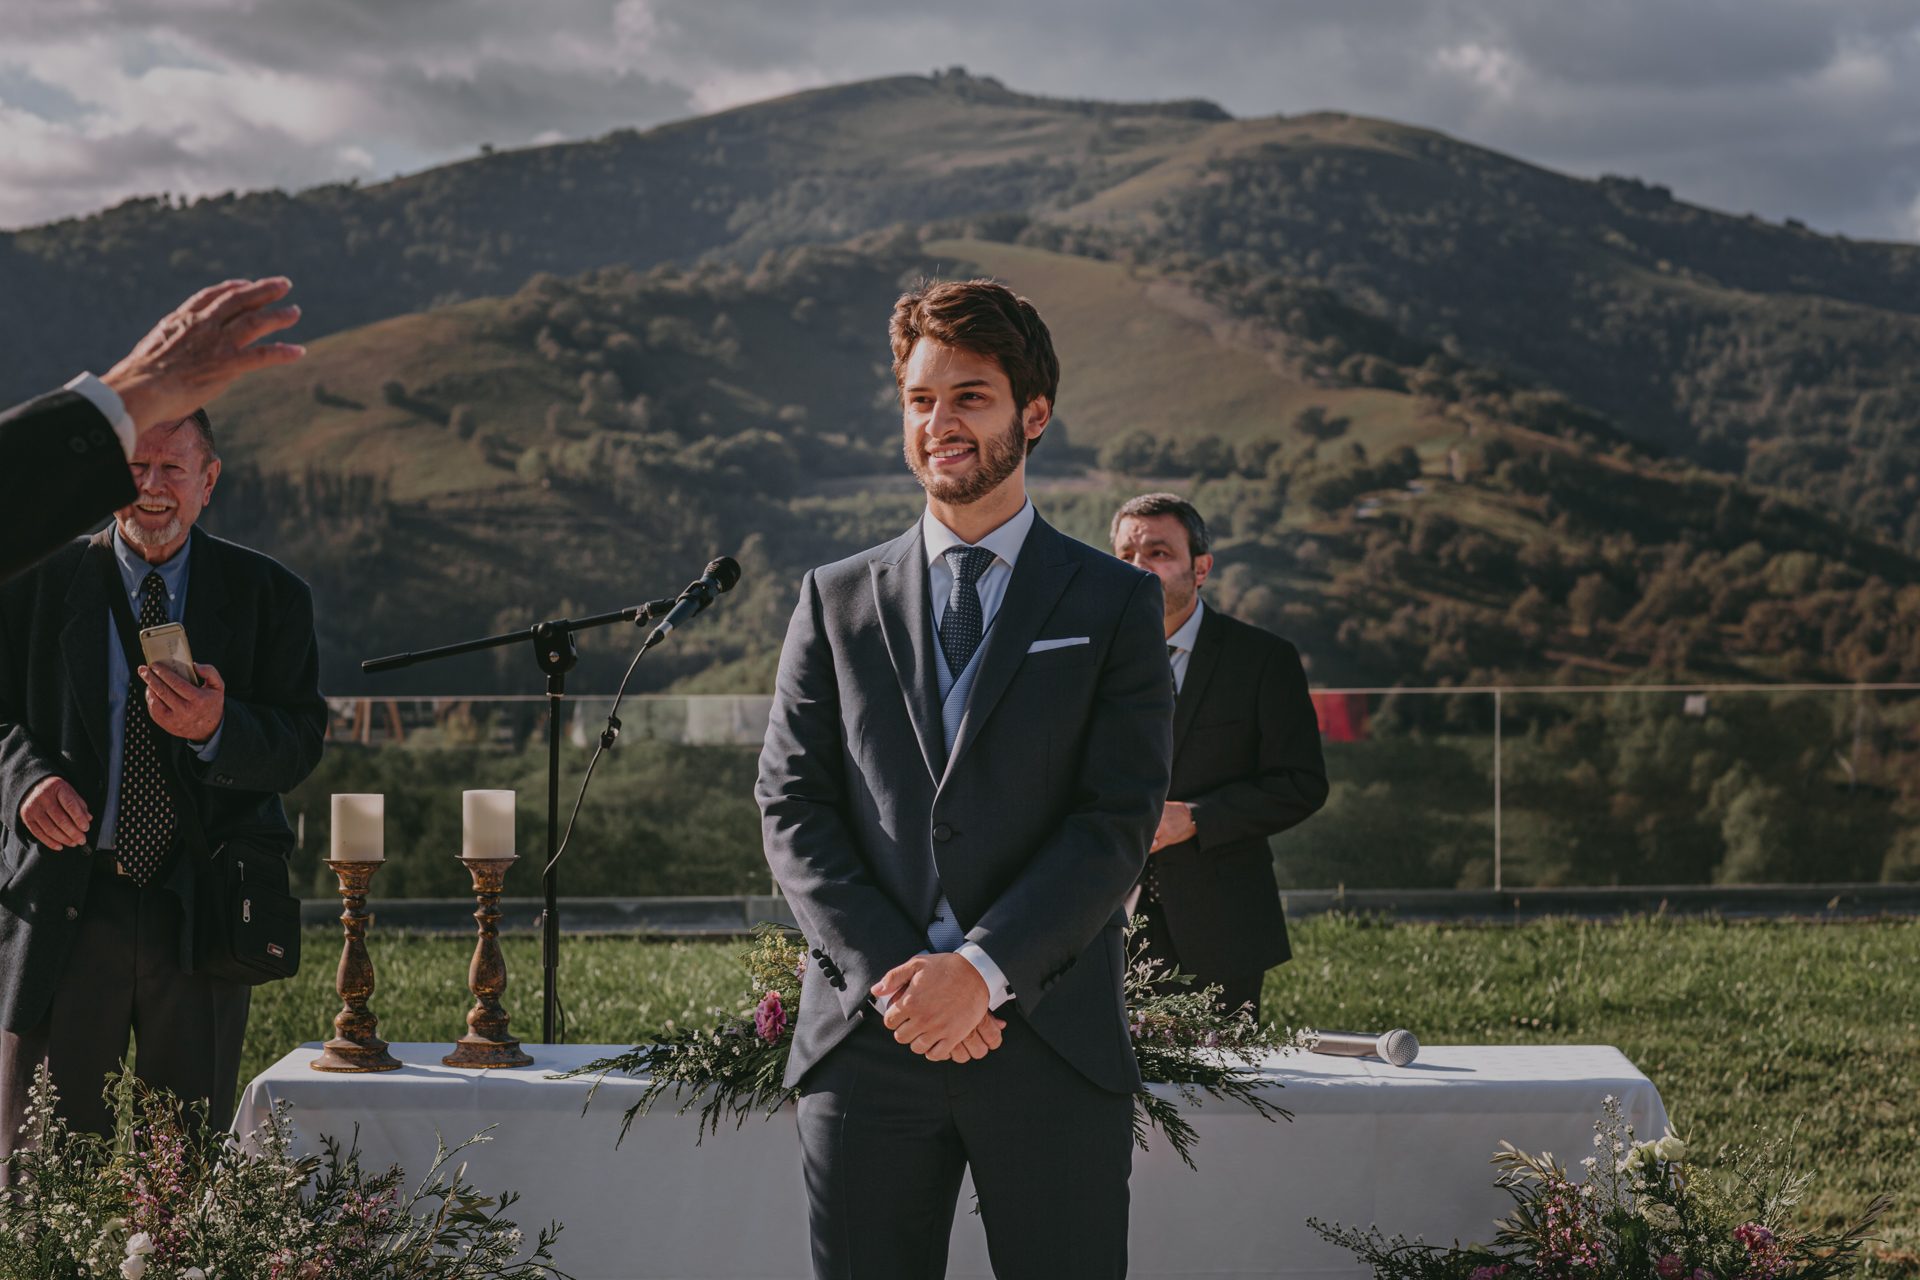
(111, 772)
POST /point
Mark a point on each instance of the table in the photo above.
(1406, 1147)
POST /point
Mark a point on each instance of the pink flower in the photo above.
(1754, 1236)
(1701, 1273)
(1488, 1273)
(1671, 1267)
(769, 1018)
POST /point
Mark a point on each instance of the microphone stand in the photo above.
(556, 653)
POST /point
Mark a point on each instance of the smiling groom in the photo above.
(968, 752)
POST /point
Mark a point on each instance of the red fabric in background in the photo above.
(1342, 716)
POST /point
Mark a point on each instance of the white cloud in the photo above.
(1494, 70)
(1779, 106)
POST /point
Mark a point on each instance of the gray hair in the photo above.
(202, 428)
(1147, 505)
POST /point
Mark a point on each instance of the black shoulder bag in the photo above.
(246, 926)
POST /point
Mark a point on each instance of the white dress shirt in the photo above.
(1005, 543)
(1180, 645)
(111, 407)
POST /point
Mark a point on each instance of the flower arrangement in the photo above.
(169, 1198)
(739, 1066)
(1643, 1211)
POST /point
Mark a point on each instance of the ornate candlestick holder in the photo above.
(487, 1043)
(354, 1046)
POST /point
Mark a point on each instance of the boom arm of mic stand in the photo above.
(635, 614)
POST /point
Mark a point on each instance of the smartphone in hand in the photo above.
(167, 645)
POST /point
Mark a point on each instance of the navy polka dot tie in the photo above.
(143, 829)
(960, 627)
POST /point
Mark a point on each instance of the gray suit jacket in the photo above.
(1038, 823)
(248, 617)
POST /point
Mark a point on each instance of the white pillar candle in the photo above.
(359, 828)
(488, 817)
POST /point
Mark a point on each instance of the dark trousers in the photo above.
(1236, 990)
(124, 977)
(885, 1136)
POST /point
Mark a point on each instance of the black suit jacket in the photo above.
(249, 618)
(1039, 821)
(65, 470)
(1246, 759)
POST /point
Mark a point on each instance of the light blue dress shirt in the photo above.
(133, 573)
(1005, 543)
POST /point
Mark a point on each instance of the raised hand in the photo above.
(193, 353)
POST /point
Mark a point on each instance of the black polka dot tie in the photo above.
(960, 627)
(143, 829)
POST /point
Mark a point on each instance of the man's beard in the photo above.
(133, 531)
(999, 458)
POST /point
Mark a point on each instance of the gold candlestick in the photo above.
(354, 1046)
(487, 1043)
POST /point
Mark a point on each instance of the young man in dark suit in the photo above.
(68, 452)
(967, 754)
(96, 890)
(1246, 764)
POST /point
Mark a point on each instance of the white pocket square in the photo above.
(1041, 646)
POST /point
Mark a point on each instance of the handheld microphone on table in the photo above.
(1397, 1046)
(720, 576)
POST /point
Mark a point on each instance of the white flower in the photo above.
(1661, 1217)
(1670, 1148)
(134, 1267)
(141, 1243)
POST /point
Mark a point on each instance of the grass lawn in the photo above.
(1739, 1025)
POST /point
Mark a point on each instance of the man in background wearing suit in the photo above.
(96, 889)
(1246, 764)
(967, 753)
(68, 452)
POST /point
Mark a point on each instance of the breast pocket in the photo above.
(1066, 659)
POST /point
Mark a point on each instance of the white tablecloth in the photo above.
(1406, 1147)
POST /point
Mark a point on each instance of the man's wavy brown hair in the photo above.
(988, 319)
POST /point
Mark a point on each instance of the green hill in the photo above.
(590, 442)
(1768, 352)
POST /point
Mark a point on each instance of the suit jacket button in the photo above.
(73, 913)
(943, 833)
(77, 445)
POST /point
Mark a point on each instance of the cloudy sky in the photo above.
(1802, 108)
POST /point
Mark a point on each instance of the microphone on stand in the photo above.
(720, 576)
(1397, 1046)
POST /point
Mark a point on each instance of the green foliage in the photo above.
(167, 1197)
(1643, 1209)
(739, 1066)
(732, 1069)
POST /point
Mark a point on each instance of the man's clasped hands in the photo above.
(939, 1008)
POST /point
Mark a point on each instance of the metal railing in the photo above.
(1480, 786)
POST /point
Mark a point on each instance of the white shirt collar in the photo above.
(1189, 630)
(1005, 542)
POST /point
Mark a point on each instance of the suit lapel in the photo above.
(1200, 665)
(83, 642)
(1040, 578)
(208, 634)
(906, 620)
